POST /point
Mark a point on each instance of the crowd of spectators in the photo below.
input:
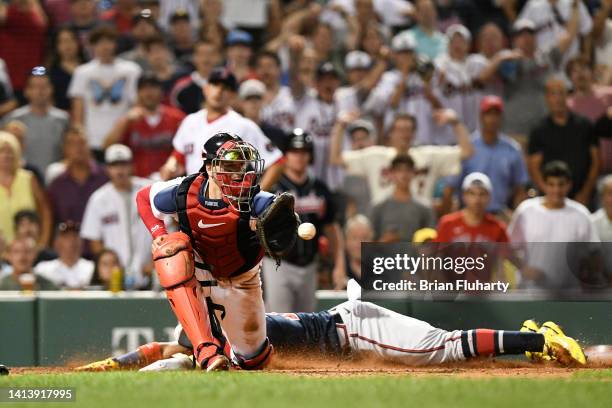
(447, 120)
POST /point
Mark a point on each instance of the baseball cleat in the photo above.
(531, 326)
(560, 347)
(110, 364)
(218, 362)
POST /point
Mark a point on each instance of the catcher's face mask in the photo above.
(237, 169)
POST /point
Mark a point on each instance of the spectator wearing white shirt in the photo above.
(456, 71)
(316, 113)
(111, 218)
(198, 127)
(69, 270)
(547, 227)
(103, 89)
(278, 104)
(489, 42)
(431, 162)
(362, 74)
(602, 219)
(602, 42)
(552, 19)
(403, 90)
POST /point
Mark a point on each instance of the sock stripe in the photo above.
(471, 342)
(500, 342)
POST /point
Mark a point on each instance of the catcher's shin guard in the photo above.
(174, 264)
(258, 362)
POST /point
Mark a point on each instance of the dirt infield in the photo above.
(368, 366)
(309, 364)
(470, 369)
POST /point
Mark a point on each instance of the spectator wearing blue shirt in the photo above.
(429, 40)
(497, 156)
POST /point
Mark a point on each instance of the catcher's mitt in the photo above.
(277, 227)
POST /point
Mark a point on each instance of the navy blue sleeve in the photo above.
(261, 201)
(165, 200)
(313, 331)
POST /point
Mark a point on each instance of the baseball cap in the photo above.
(477, 179)
(148, 79)
(238, 37)
(523, 24)
(357, 60)
(144, 15)
(223, 76)
(250, 88)
(458, 29)
(179, 15)
(491, 102)
(361, 124)
(403, 42)
(327, 68)
(117, 153)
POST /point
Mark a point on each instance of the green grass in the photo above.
(269, 390)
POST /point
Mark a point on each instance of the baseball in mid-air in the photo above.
(307, 231)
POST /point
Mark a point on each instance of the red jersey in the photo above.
(152, 145)
(22, 43)
(452, 228)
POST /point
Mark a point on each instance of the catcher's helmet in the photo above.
(236, 167)
(212, 145)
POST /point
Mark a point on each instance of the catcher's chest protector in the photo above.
(222, 237)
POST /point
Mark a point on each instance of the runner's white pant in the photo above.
(244, 324)
(395, 337)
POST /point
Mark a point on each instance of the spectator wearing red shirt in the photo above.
(23, 25)
(148, 128)
(476, 227)
(473, 223)
(121, 15)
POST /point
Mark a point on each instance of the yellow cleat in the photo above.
(110, 364)
(532, 327)
(560, 347)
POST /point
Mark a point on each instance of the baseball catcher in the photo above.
(210, 268)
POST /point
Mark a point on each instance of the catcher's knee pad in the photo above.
(174, 261)
(258, 362)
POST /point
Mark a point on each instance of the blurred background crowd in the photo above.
(433, 120)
